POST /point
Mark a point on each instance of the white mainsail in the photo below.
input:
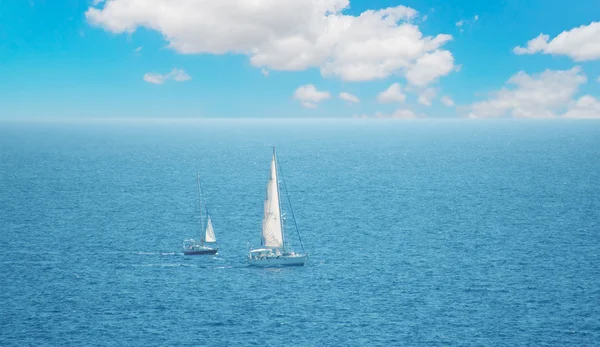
(271, 226)
(210, 233)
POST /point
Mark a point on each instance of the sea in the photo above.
(419, 233)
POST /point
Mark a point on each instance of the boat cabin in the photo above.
(263, 253)
(191, 244)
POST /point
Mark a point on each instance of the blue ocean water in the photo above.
(428, 233)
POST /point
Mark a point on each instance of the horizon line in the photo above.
(201, 119)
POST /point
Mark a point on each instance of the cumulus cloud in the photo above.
(446, 100)
(580, 43)
(289, 35)
(586, 107)
(429, 67)
(542, 95)
(348, 97)
(426, 96)
(392, 94)
(309, 96)
(178, 75)
(533, 46)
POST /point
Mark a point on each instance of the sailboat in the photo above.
(207, 243)
(274, 251)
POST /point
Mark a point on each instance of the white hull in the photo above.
(281, 260)
(273, 250)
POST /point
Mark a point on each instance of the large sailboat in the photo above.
(274, 250)
(207, 243)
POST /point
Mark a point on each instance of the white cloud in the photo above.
(398, 114)
(309, 96)
(97, 2)
(403, 114)
(392, 94)
(446, 100)
(139, 49)
(178, 75)
(586, 107)
(348, 97)
(537, 96)
(264, 72)
(284, 35)
(598, 79)
(580, 43)
(155, 78)
(464, 22)
(533, 46)
(426, 96)
(429, 67)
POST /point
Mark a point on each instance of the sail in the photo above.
(271, 226)
(210, 233)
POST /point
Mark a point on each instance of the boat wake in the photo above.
(163, 265)
(157, 253)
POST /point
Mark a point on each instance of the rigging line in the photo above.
(202, 191)
(291, 209)
(275, 162)
(205, 207)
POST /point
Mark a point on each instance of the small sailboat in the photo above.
(274, 251)
(207, 243)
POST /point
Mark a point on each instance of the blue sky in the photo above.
(72, 59)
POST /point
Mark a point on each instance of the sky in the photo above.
(299, 59)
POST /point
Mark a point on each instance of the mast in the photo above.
(207, 214)
(200, 209)
(279, 200)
